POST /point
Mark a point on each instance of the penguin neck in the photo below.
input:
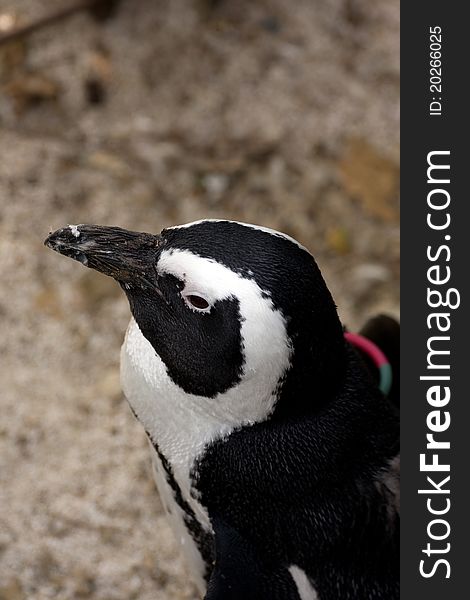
(317, 372)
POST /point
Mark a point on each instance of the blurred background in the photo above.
(144, 114)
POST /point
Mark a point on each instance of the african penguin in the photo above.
(275, 454)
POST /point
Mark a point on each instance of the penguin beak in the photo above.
(127, 256)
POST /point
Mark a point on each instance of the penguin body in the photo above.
(274, 452)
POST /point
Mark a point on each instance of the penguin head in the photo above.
(233, 311)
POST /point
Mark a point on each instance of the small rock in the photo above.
(99, 76)
(215, 184)
(371, 272)
(30, 89)
(7, 21)
(338, 240)
(366, 277)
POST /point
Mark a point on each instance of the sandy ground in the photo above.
(165, 113)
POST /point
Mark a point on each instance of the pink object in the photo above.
(377, 356)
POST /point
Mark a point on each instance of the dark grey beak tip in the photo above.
(65, 235)
(66, 241)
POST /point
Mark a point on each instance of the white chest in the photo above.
(178, 441)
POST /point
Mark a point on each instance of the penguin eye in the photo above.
(197, 302)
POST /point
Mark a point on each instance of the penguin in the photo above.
(274, 451)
